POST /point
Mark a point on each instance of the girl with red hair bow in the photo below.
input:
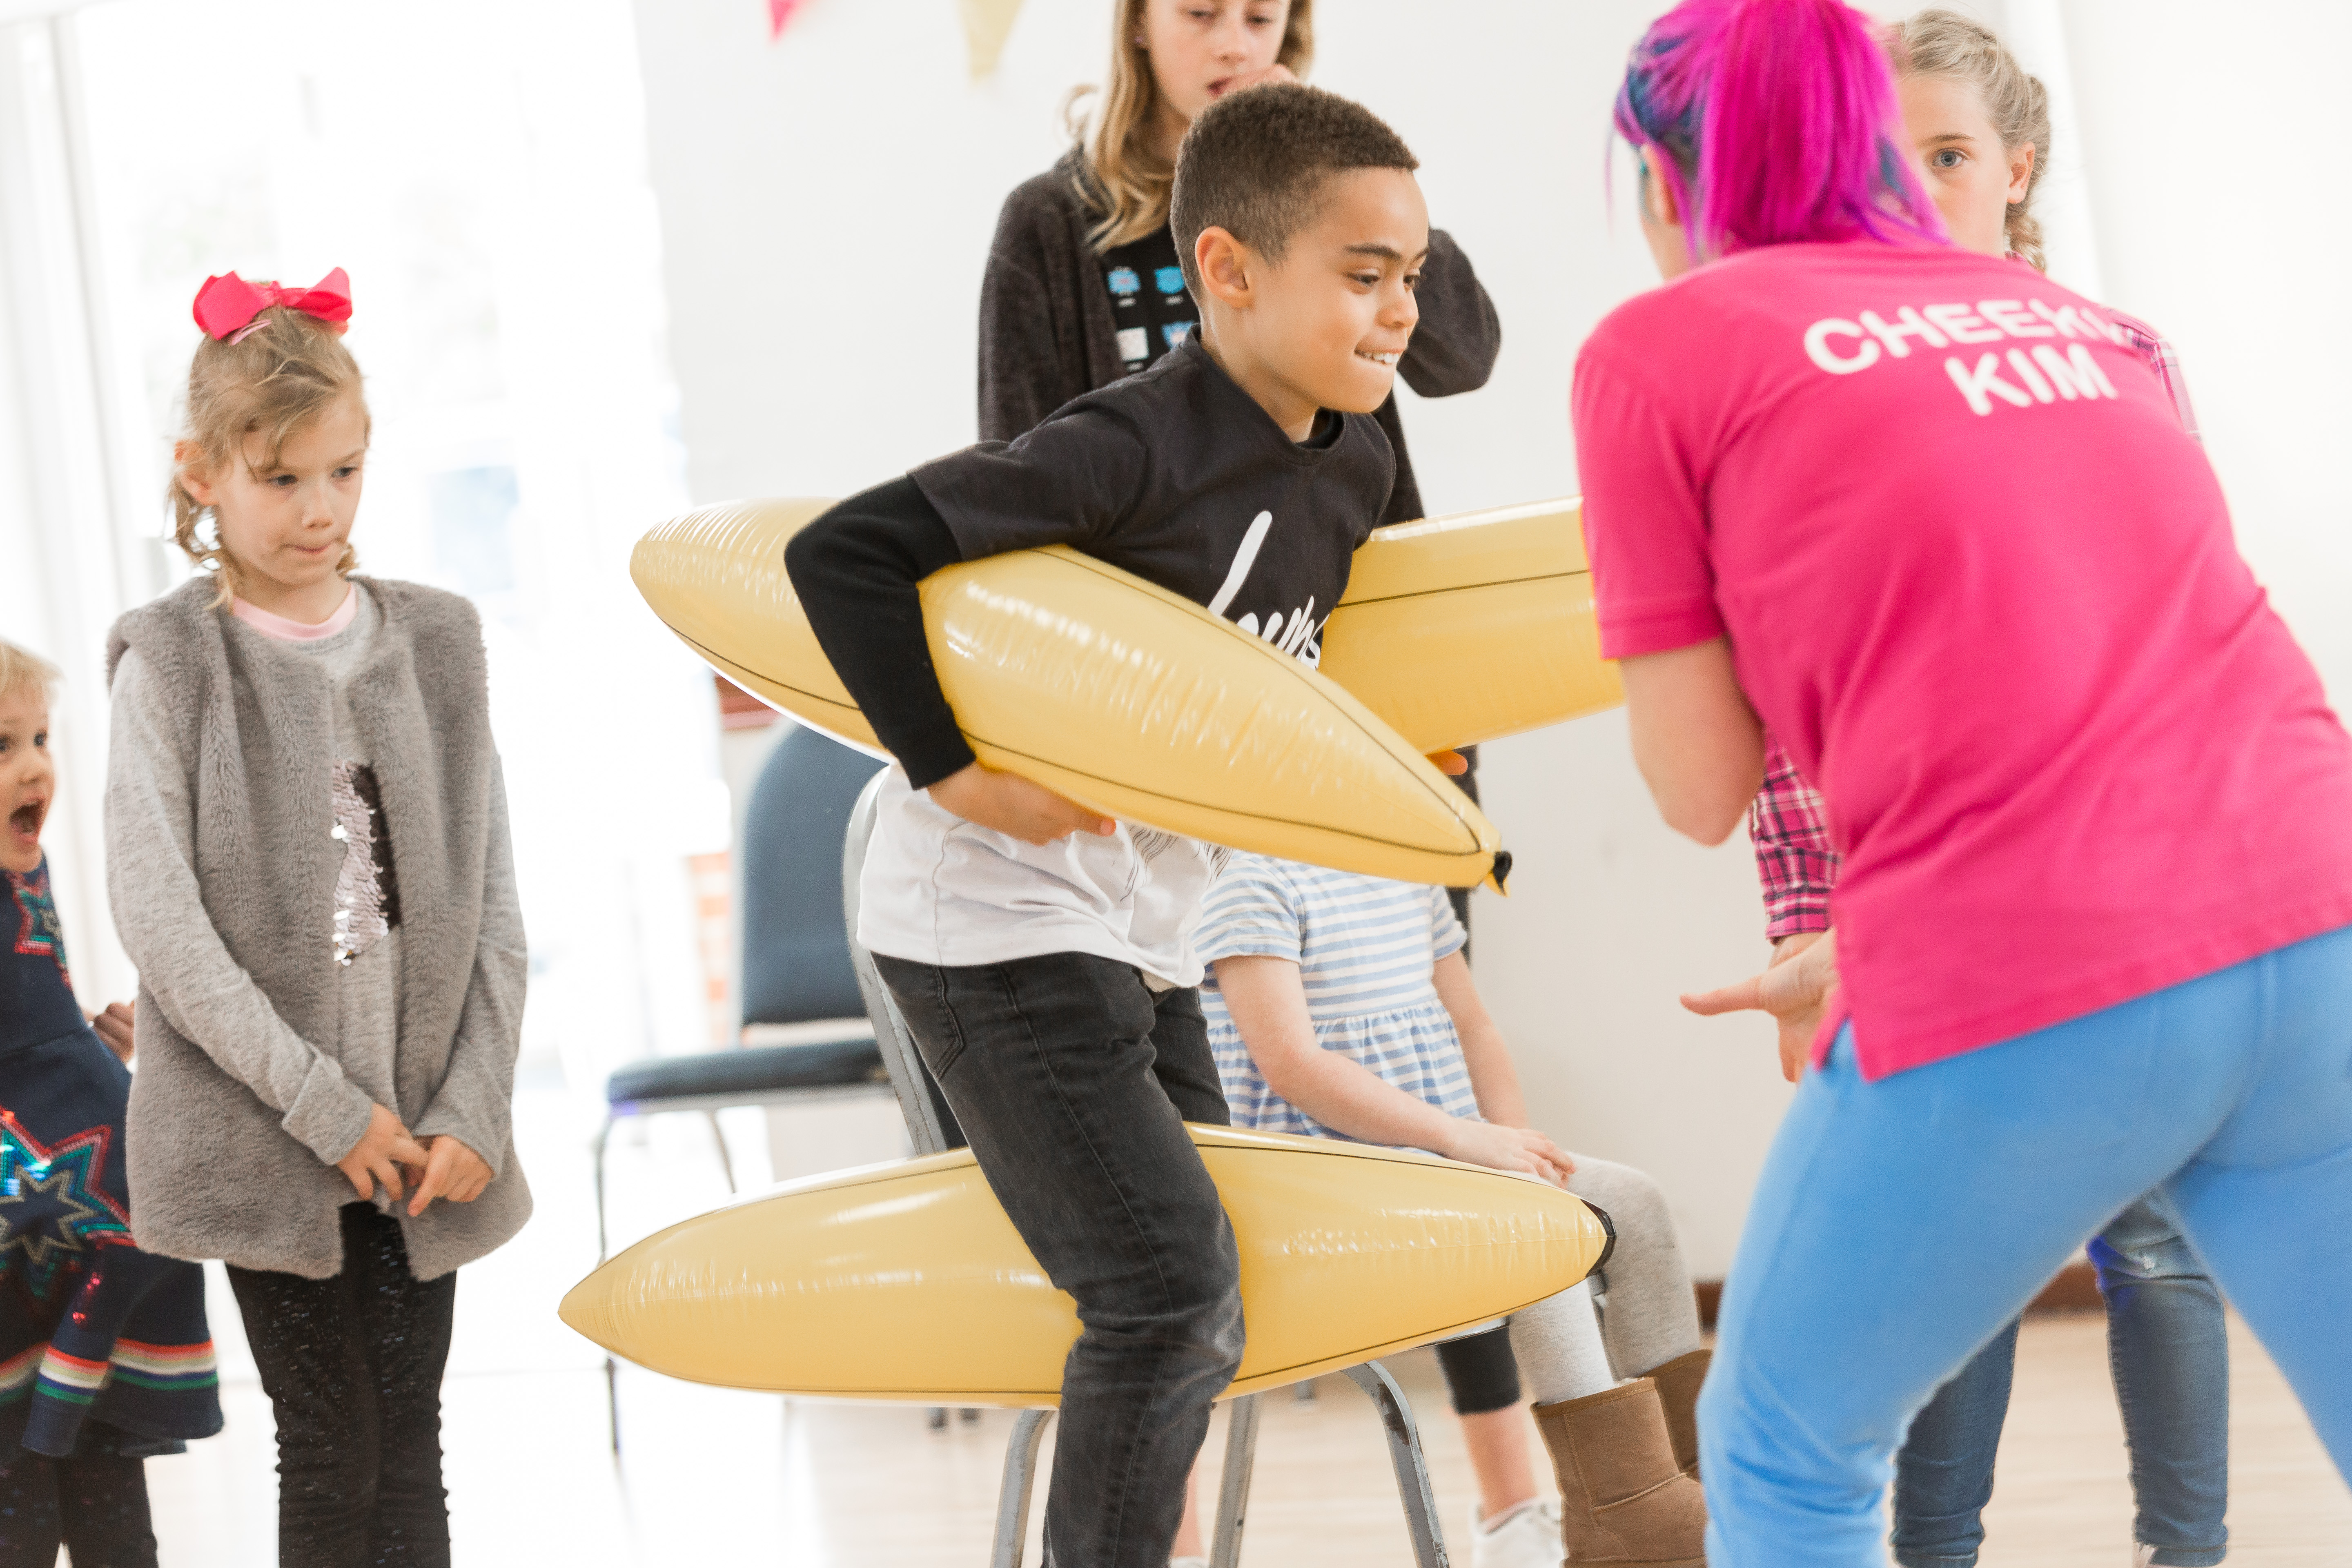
(307, 839)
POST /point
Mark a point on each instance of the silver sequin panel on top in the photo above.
(367, 895)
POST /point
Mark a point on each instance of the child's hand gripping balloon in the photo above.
(1011, 804)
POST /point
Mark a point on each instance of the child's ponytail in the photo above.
(271, 377)
(1777, 122)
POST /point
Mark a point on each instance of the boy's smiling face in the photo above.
(28, 781)
(1324, 326)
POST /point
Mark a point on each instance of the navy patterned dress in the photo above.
(103, 1348)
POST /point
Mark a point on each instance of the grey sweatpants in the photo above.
(1650, 1316)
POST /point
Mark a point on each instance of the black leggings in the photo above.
(1480, 1371)
(352, 1368)
(95, 1507)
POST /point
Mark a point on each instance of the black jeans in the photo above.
(1074, 1082)
(95, 1507)
(352, 1368)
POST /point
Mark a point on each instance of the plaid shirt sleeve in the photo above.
(2163, 359)
(1793, 857)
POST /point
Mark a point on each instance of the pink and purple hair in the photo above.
(1776, 124)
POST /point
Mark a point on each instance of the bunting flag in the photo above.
(986, 25)
(779, 12)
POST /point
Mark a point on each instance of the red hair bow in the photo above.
(228, 306)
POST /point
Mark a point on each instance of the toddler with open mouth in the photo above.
(105, 1358)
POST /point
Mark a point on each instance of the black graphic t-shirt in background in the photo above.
(1150, 309)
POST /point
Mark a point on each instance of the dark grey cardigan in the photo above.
(1046, 334)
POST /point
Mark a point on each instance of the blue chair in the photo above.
(806, 1034)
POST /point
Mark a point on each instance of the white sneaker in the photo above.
(1528, 1538)
(1188, 1562)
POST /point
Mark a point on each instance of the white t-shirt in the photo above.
(938, 889)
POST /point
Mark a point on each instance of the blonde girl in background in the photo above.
(308, 856)
(1082, 285)
(1980, 126)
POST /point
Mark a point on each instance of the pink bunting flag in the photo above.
(779, 12)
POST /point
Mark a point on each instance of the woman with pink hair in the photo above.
(1936, 524)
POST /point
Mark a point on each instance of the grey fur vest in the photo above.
(213, 1172)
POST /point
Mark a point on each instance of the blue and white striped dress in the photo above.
(1365, 947)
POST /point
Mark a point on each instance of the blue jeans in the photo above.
(1074, 1082)
(1900, 1225)
(2169, 1347)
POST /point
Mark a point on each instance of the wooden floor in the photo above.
(717, 1478)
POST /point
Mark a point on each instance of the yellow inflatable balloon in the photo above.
(1466, 629)
(1115, 693)
(908, 1280)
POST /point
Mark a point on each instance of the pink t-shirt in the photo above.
(1982, 585)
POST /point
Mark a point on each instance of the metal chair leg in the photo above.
(596, 1151)
(1020, 1481)
(719, 1136)
(1412, 1468)
(1233, 1490)
(612, 1372)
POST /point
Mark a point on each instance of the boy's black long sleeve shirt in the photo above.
(1175, 475)
(858, 571)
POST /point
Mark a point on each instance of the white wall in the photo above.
(492, 205)
(827, 202)
(2206, 130)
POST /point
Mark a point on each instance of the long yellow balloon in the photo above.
(1468, 628)
(1116, 693)
(908, 1280)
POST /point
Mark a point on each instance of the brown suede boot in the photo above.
(1678, 1382)
(1623, 1500)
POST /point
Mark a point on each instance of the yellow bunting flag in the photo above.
(986, 25)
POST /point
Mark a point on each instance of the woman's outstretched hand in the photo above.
(1795, 989)
(1011, 804)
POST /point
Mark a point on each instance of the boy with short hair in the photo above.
(1042, 956)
